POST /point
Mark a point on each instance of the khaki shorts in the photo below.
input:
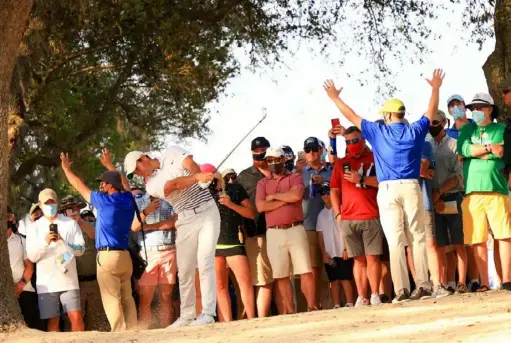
(314, 252)
(259, 264)
(363, 237)
(483, 212)
(429, 225)
(288, 251)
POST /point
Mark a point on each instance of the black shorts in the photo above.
(449, 227)
(342, 271)
(237, 250)
(385, 257)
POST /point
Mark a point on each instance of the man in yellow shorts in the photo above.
(486, 205)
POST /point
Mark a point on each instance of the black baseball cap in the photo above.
(324, 189)
(87, 213)
(259, 142)
(311, 142)
(288, 149)
(113, 178)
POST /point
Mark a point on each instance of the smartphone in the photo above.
(335, 122)
(54, 228)
(346, 167)
(301, 155)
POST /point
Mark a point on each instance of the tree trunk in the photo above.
(498, 64)
(13, 21)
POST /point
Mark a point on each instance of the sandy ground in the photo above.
(467, 318)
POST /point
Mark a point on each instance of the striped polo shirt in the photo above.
(171, 167)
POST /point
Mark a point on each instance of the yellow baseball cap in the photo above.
(393, 106)
(47, 194)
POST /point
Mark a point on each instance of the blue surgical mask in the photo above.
(478, 116)
(323, 155)
(457, 112)
(49, 210)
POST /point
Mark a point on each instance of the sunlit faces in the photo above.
(143, 167)
(313, 154)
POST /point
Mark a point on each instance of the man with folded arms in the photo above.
(280, 196)
(397, 149)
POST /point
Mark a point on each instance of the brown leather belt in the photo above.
(287, 226)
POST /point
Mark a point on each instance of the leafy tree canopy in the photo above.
(123, 73)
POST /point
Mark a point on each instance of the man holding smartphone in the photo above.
(397, 149)
(353, 194)
(90, 296)
(48, 239)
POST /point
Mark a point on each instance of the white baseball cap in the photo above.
(228, 171)
(274, 152)
(484, 99)
(130, 162)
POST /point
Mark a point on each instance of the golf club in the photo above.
(265, 113)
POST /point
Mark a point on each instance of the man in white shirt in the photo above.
(174, 177)
(22, 270)
(53, 250)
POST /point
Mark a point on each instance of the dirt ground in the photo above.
(467, 318)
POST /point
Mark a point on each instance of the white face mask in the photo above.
(50, 210)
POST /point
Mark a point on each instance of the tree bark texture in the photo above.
(13, 22)
(498, 64)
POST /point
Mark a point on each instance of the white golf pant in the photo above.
(196, 239)
(402, 218)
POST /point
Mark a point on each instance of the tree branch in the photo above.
(29, 165)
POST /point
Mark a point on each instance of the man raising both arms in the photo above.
(397, 149)
(174, 177)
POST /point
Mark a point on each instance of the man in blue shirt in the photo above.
(456, 107)
(397, 149)
(314, 174)
(116, 210)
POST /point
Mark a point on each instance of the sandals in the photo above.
(482, 289)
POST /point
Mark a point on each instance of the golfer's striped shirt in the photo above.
(171, 165)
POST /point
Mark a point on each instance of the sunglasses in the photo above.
(479, 107)
(309, 150)
(288, 154)
(506, 91)
(354, 141)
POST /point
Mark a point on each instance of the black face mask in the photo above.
(277, 168)
(435, 130)
(259, 157)
(290, 165)
(12, 226)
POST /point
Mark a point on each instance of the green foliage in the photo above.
(123, 73)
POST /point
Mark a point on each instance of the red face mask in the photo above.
(355, 148)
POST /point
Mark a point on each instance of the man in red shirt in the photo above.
(280, 196)
(354, 186)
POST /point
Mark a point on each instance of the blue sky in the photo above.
(298, 106)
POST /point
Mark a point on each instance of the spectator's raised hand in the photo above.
(437, 79)
(336, 131)
(65, 162)
(331, 91)
(106, 159)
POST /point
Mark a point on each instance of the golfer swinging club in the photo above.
(174, 177)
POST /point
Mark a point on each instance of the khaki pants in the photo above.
(93, 314)
(402, 219)
(114, 269)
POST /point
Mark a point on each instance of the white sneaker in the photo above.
(203, 319)
(179, 323)
(361, 301)
(337, 306)
(375, 299)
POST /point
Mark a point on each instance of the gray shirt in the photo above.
(447, 163)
